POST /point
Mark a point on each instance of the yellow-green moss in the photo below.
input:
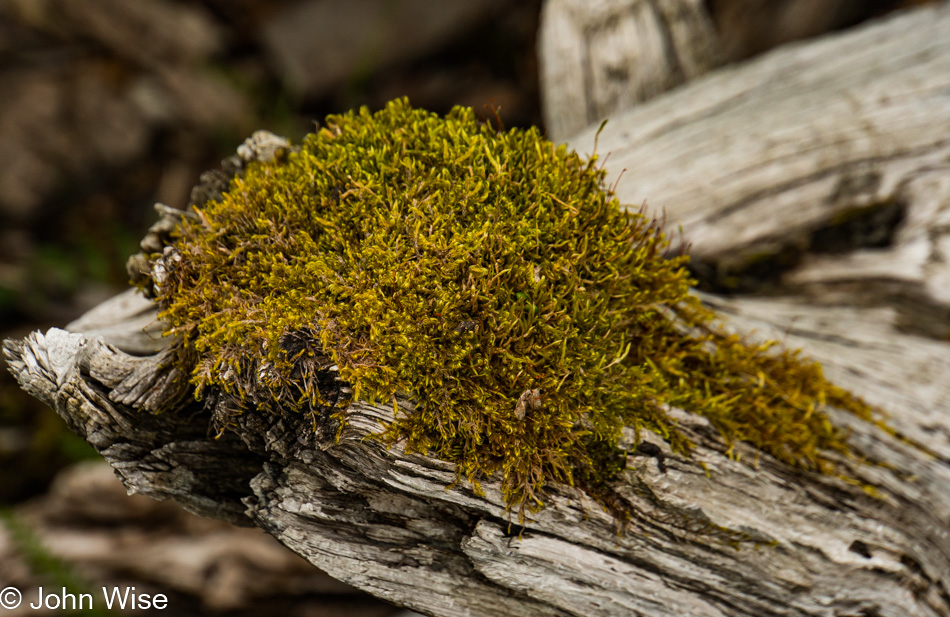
(464, 267)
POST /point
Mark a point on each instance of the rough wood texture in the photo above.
(599, 57)
(813, 149)
(383, 521)
(810, 545)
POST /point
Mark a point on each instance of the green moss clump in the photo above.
(492, 278)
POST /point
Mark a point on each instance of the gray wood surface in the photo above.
(771, 159)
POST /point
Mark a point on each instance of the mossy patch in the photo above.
(491, 277)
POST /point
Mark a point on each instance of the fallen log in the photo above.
(709, 535)
(819, 167)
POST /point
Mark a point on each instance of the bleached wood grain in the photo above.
(757, 161)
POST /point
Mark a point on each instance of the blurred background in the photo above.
(108, 106)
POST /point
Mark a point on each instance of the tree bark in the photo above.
(738, 537)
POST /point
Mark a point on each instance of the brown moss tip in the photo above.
(490, 277)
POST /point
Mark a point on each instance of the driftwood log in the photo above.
(858, 127)
(803, 160)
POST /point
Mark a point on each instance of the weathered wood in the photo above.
(774, 163)
(804, 544)
(599, 57)
(383, 521)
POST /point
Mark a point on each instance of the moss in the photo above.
(493, 279)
